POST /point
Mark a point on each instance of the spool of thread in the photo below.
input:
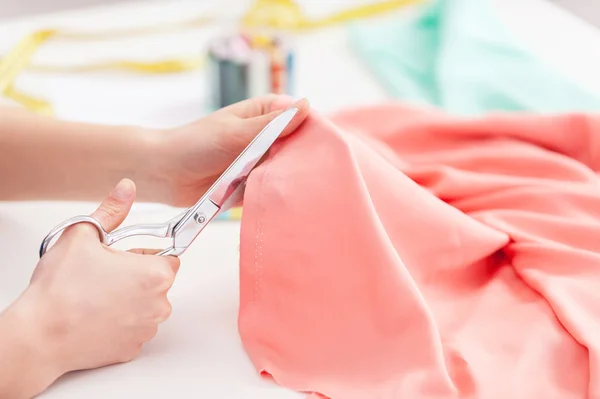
(248, 65)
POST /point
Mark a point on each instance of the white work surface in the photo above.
(197, 352)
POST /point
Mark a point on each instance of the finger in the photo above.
(144, 251)
(172, 261)
(256, 124)
(116, 206)
(165, 273)
(148, 332)
(284, 102)
(257, 106)
(252, 126)
(163, 312)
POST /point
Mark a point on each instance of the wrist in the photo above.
(149, 169)
(29, 351)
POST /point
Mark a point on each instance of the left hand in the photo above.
(197, 154)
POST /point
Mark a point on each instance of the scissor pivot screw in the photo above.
(200, 218)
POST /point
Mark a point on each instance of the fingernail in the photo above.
(123, 190)
(303, 102)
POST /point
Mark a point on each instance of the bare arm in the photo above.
(85, 307)
(43, 158)
(27, 365)
(51, 159)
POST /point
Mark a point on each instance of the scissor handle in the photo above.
(103, 235)
(161, 230)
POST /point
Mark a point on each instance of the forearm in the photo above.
(51, 159)
(27, 364)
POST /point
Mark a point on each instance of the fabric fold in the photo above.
(391, 252)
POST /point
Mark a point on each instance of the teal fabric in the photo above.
(457, 55)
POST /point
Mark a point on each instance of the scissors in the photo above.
(225, 193)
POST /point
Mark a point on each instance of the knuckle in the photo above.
(150, 333)
(80, 232)
(164, 311)
(111, 207)
(174, 264)
(137, 349)
(159, 277)
(167, 276)
(131, 353)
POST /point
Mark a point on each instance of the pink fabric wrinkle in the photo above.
(392, 252)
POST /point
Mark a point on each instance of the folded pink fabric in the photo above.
(389, 252)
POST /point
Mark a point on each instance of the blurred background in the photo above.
(12, 8)
(168, 62)
(587, 9)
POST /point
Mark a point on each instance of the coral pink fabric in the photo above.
(388, 252)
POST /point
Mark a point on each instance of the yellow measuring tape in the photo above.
(19, 59)
(274, 14)
(287, 15)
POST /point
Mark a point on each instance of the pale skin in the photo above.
(88, 305)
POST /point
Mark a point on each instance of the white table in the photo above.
(197, 352)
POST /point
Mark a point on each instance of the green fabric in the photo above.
(457, 55)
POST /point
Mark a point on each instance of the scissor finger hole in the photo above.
(49, 242)
(60, 230)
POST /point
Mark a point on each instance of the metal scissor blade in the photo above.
(229, 187)
(226, 192)
(235, 198)
(239, 170)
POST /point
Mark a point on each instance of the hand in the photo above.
(195, 155)
(93, 305)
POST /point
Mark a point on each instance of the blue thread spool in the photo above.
(242, 66)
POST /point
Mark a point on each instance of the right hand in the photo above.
(94, 305)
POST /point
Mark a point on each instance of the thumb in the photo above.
(115, 207)
(256, 124)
